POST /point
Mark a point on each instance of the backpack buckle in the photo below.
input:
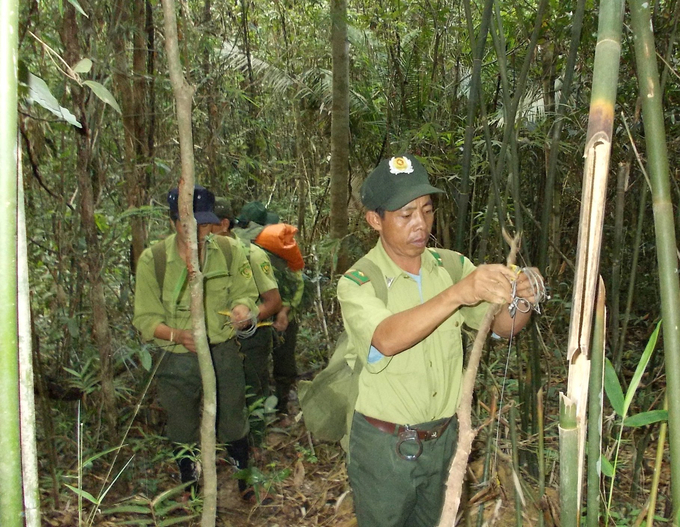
(407, 435)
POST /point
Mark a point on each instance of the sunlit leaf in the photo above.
(104, 94)
(84, 494)
(75, 4)
(145, 359)
(613, 388)
(646, 418)
(84, 66)
(39, 92)
(607, 467)
(641, 367)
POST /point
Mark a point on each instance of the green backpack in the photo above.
(328, 400)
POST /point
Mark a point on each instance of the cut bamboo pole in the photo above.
(573, 405)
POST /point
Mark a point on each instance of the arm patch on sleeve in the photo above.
(357, 277)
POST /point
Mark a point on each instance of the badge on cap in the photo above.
(401, 165)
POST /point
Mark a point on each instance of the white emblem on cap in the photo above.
(401, 165)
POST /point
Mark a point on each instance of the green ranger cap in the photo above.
(396, 182)
(223, 208)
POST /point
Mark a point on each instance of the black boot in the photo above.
(239, 452)
(188, 470)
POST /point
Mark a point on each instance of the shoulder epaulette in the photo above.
(357, 277)
(437, 257)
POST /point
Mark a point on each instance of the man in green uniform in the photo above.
(404, 428)
(162, 314)
(251, 221)
(256, 347)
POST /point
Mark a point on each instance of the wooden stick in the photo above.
(466, 434)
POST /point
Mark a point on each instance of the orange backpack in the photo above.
(279, 239)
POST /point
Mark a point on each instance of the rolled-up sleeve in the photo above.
(362, 312)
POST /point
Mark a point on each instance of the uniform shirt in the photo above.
(422, 383)
(224, 289)
(262, 268)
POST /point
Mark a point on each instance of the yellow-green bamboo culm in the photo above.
(664, 227)
(11, 506)
(569, 495)
(595, 396)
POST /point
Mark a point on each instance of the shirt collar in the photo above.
(391, 270)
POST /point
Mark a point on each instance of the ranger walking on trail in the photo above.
(404, 429)
(162, 314)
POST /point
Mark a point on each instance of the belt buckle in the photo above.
(409, 434)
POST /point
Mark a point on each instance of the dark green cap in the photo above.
(256, 212)
(223, 208)
(396, 182)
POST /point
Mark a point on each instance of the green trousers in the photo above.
(285, 369)
(257, 352)
(390, 491)
(180, 391)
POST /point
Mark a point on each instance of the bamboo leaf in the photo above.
(640, 370)
(75, 4)
(646, 418)
(613, 388)
(84, 66)
(84, 494)
(607, 467)
(104, 94)
(138, 509)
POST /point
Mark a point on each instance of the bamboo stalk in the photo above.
(565, 92)
(666, 241)
(569, 464)
(11, 506)
(658, 462)
(487, 457)
(595, 398)
(515, 464)
(541, 456)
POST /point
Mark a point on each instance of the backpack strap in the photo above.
(225, 246)
(159, 260)
(451, 261)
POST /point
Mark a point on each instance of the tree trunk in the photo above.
(183, 98)
(132, 97)
(340, 130)
(92, 260)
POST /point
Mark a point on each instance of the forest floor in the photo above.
(305, 481)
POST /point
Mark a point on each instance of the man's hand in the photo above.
(281, 321)
(241, 316)
(526, 286)
(186, 338)
(487, 283)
